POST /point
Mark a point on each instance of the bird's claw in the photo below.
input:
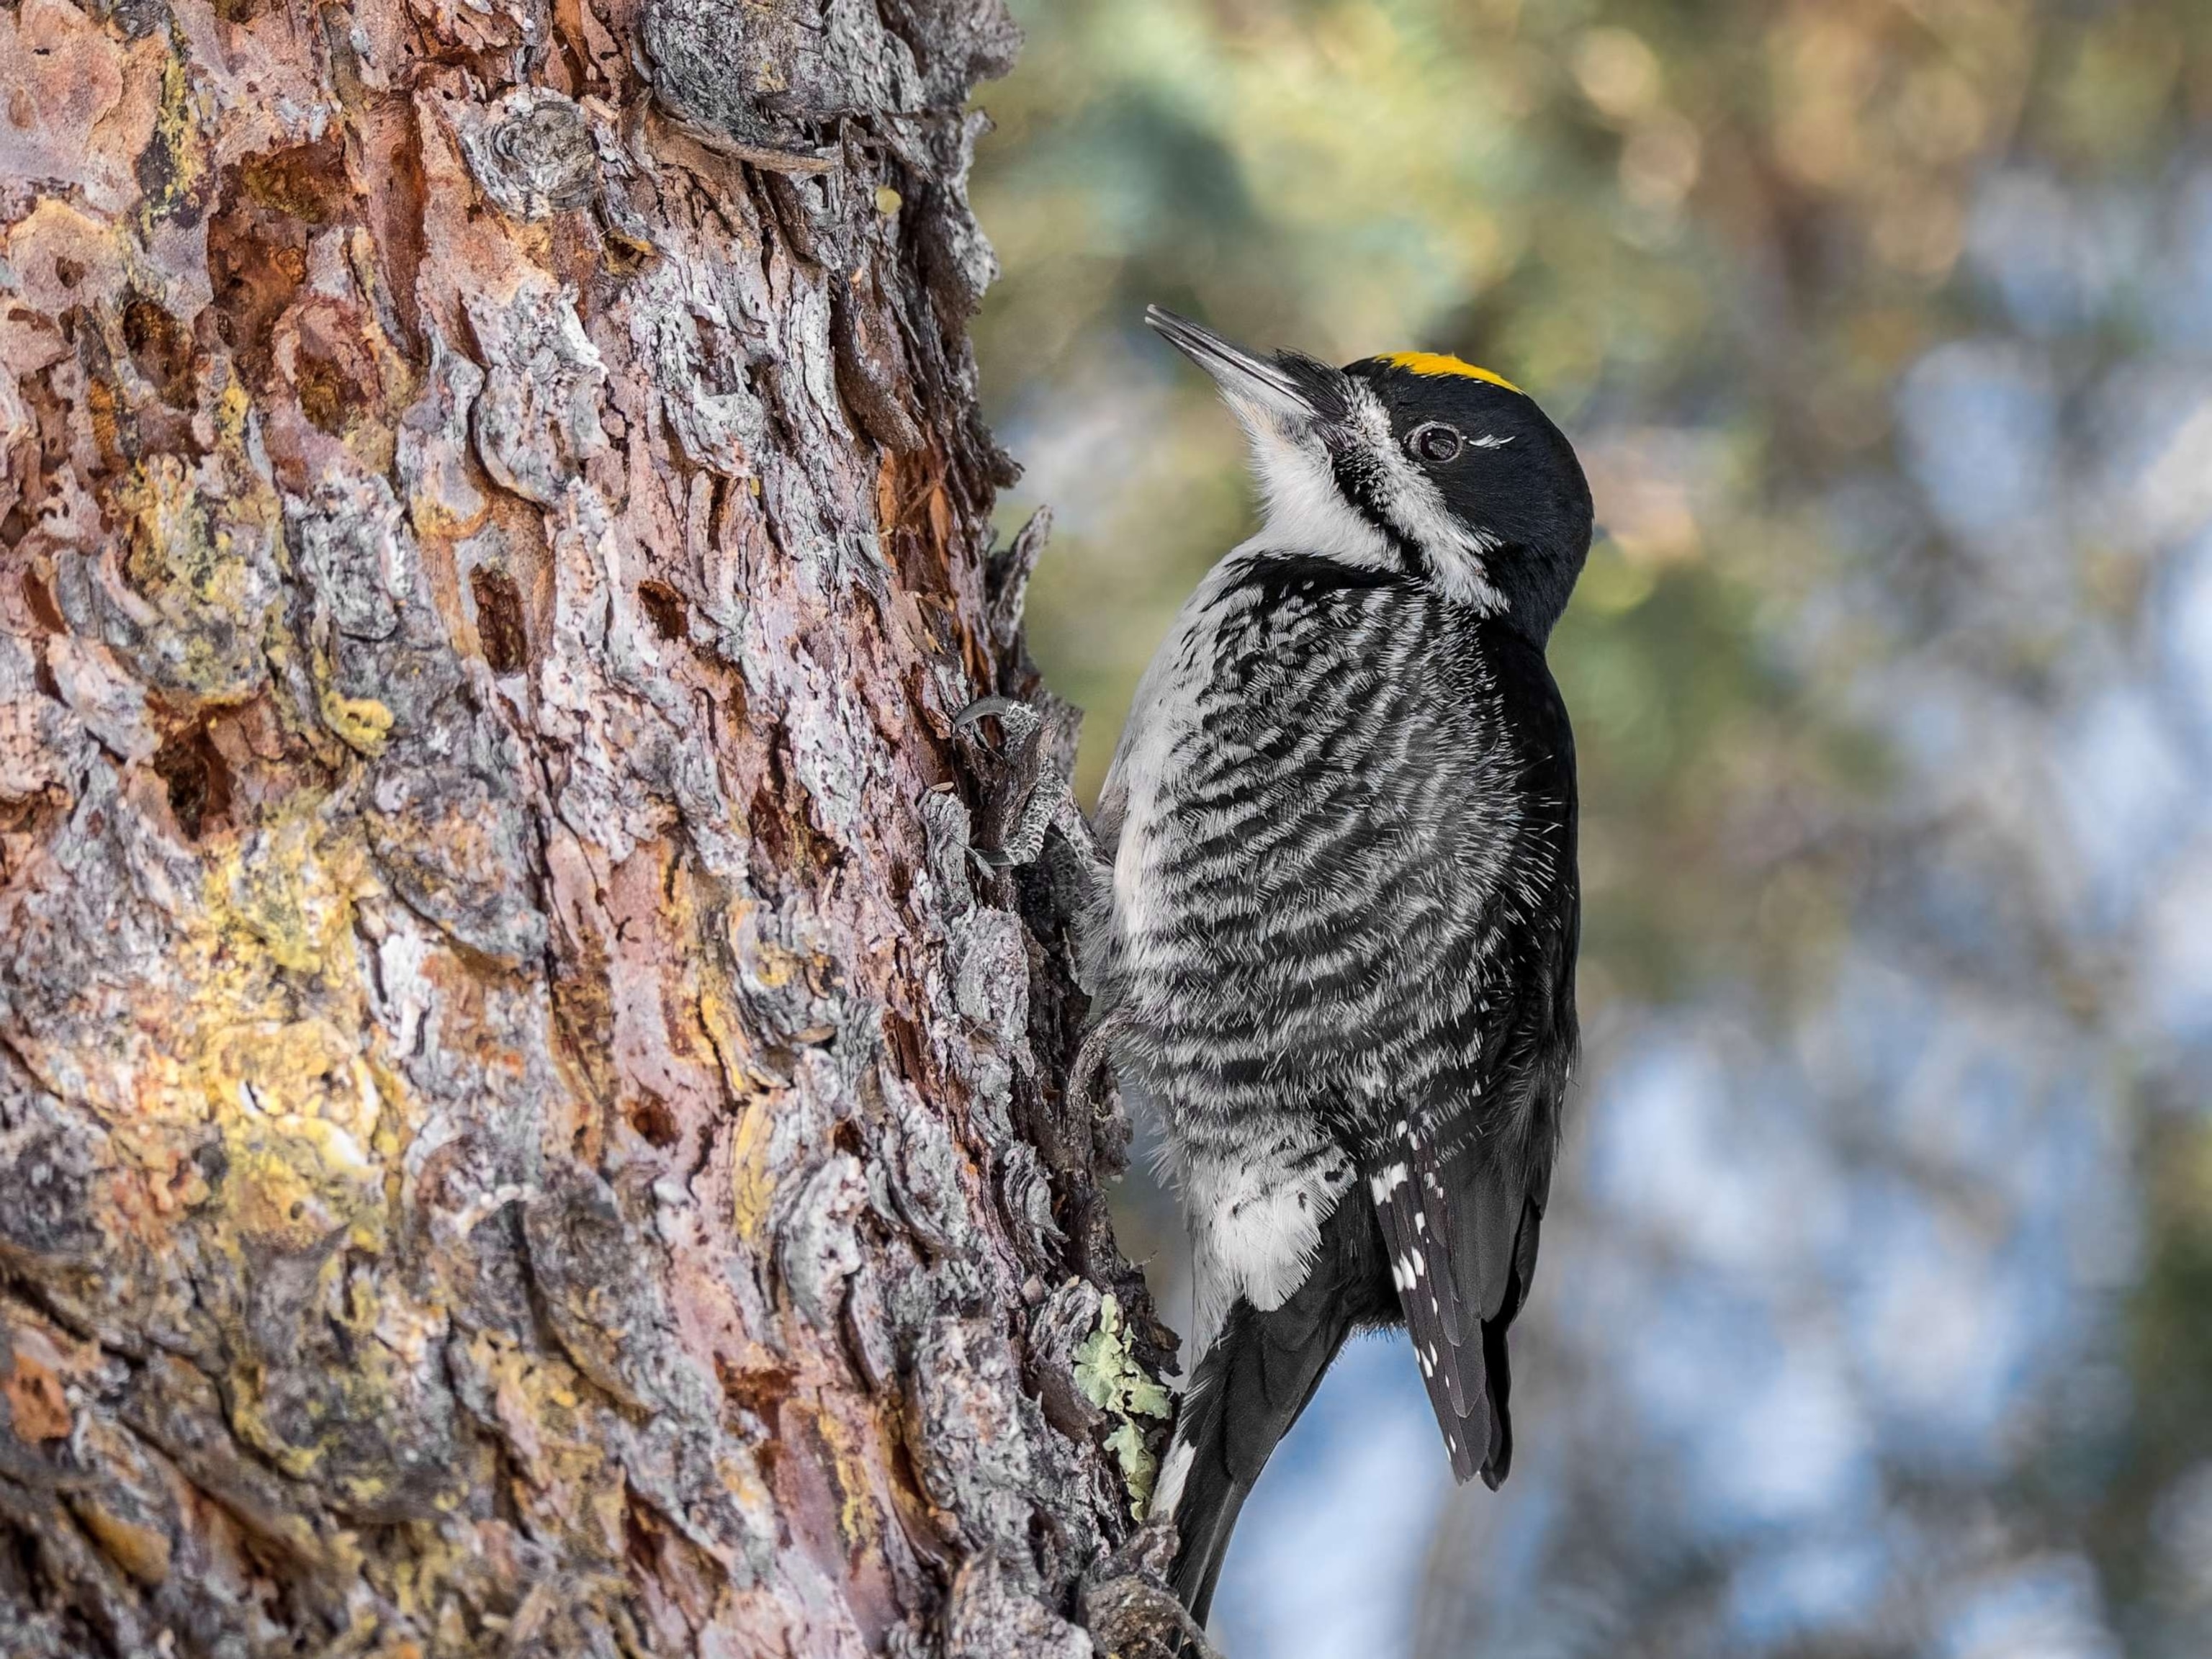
(982, 708)
(1031, 800)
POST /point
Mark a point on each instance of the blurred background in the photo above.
(1875, 1315)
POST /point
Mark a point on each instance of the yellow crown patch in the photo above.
(1435, 363)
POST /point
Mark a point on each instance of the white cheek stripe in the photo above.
(1455, 551)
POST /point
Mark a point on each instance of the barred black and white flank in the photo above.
(1338, 954)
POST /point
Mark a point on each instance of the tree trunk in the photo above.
(525, 1128)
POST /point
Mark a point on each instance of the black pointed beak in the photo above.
(1290, 388)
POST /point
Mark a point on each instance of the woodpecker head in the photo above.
(1413, 462)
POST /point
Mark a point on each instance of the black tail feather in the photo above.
(1253, 1382)
(1211, 1512)
(1247, 1392)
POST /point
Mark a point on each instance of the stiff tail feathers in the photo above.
(1248, 1390)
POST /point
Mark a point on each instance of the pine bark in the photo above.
(525, 1125)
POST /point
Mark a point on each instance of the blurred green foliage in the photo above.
(1713, 232)
(1710, 236)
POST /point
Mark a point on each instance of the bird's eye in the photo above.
(1435, 442)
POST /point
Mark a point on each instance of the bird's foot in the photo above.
(1033, 796)
(1129, 1608)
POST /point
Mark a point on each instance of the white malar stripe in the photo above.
(1305, 512)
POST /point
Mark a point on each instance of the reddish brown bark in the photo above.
(523, 1127)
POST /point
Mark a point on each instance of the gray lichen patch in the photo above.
(776, 73)
(537, 420)
(990, 1616)
(533, 154)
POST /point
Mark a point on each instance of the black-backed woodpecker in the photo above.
(1335, 948)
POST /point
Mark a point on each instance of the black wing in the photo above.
(1460, 1180)
(1460, 1220)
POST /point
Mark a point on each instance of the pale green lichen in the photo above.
(1110, 1379)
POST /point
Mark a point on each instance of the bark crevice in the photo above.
(533, 1119)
